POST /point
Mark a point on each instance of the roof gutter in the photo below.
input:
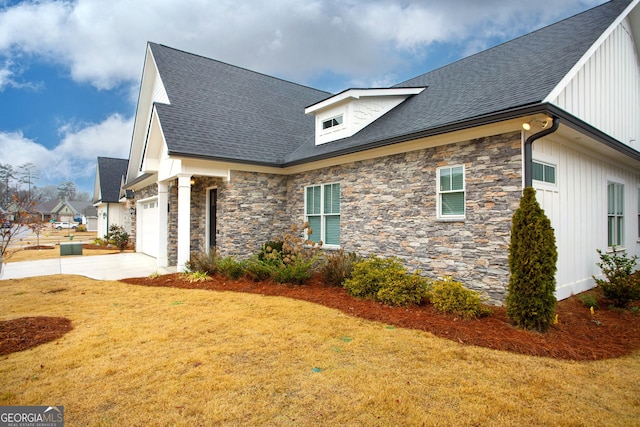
(528, 151)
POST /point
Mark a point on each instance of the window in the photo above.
(639, 213)
(322, 208)
(615, 202)
(544, 172)
(451, 192)
(332, 122)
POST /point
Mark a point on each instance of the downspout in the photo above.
(528, 151)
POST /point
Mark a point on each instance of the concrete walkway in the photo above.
(99, 267)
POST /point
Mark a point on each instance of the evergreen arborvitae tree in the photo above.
(531, 302)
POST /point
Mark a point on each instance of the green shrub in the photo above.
(338, 267)
(230, 267)
(117, 236)
(372, 274)
(81, 228)
(195, 276)
(258, 270)
(386, 280)
(588, 300)
(449, 296)
(296, 270)
(291, 259)
(205, 262)
(621, 286)
(410, 289)
(271, 251)
(531, 301)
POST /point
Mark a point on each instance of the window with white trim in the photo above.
(544, 172)
(332, 122)
(322, 211)
(615, 213)
(451, 192)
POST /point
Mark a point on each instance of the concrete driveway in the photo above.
(99, 267)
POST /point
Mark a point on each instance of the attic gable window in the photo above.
(334, 121)
(345, 114)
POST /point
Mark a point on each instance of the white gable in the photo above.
(604, 88)
(348, 112)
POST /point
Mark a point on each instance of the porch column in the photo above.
(163, 224)
(184, 220)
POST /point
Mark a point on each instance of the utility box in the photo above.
(70, 248)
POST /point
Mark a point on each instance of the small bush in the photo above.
(81, 228)
(450, 296)
(386, 280)
(117, 236)
(410, 289)
(620, 285)
(291, 259)
(338, 267)
(588, 300)
(205, 262)
(258, 270)
(372, 274)
(196, 276)
(230, 267)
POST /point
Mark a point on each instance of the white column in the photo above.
(163, 224)
(184, 220)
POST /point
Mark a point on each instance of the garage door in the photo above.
(148, 227)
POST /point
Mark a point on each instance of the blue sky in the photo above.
(70, 70)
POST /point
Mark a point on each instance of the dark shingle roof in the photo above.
(224, 112)
(110, 173)
(221, 111)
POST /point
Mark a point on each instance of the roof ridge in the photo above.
(236, 67)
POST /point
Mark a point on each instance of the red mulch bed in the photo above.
(26, 332)
(578, 335)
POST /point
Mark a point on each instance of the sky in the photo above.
(70, 70)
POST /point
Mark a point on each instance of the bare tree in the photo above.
(20, 209)
(67, 191)
(28, 174)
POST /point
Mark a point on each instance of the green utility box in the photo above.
(70, 248)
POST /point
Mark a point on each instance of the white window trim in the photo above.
(451, 218)
(618, 181)
(322, 214)
(545, 183)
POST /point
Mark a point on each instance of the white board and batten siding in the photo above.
(577, 208)
(605, 90)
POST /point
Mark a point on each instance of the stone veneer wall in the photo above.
(388, 208)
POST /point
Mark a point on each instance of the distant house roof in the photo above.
(221, 112)
(109, 173)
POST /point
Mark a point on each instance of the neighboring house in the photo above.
(72, 211)
(430, 170)
(45, 210)
(110, 173)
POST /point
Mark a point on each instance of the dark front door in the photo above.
(213, 203)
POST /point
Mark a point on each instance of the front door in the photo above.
(213, 202)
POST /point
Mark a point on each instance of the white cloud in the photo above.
(74, 159)
(102, 42)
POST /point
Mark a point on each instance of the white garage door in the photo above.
(148, 227)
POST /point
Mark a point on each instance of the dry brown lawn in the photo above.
(141, 355)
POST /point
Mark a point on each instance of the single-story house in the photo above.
(430, 170)
(111, 208)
